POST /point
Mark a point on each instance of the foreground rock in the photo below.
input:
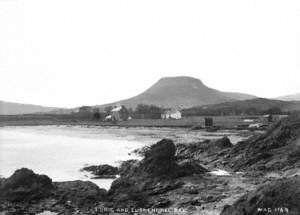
(79, 193)
(25, 192)
(210, 147)
(156, 174)
(25, 185)
(102, 171)
(207, 152)
(279, 197)
(159, 160)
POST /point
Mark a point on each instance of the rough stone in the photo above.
(283, 194)
(102, 171)
(25, 185)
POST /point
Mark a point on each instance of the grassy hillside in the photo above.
(293, 97)
(249, 107)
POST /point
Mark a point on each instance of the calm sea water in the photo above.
(61, 151)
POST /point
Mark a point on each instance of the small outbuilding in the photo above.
(208, 122)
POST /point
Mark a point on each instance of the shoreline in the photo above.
(188, 188)
(142, 136)
(180, 176)
(194, 122)
(201, 193)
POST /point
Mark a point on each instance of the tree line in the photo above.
(142, 111)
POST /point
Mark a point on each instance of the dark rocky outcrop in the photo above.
(197, 150)
(129, 167)
(26, 191)
(160, 159)
(79, 193)
(187, 168)
(282, 196)
(277, 149)
(25, 185)
(222, 143)
(127, 192)
(156, 174)
(102, 171)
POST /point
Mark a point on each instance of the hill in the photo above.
(293, 97)
(277, 149)
(10, 108)
(181, 92)
(169, 92)
(249, 107)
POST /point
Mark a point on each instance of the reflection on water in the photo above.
(61, 151)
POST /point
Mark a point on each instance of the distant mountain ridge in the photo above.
(169, 92)
(181, 92)
(12, 108)
(292, 97)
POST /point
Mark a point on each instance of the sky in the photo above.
(66, 53)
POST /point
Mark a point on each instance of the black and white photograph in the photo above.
(138, 107)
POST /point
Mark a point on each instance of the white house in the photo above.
(108, 118)
(171, 114)
(115, 113)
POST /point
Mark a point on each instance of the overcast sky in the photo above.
(69, 52)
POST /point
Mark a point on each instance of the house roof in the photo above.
(116, 109)
(171, 111)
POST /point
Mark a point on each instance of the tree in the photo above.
(108, 109)
(273, 110)
(148, 111)
(97, 116)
